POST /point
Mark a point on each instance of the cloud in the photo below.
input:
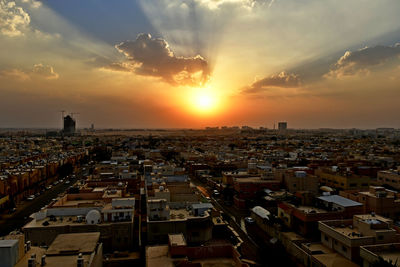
(153, 57)
(15, 74)
(39, 71)
(44, 71)
(283, 79)
(363, 60)
(13, 19)
(214, 4)
(33, 3)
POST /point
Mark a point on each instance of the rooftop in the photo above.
(177, 240)
(339, 200)
(74, 243)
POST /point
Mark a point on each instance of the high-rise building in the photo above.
(282, 125)
(69, 125)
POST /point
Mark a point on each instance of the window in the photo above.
(353, 185)
(294, 185)
(380, 237)
(344, 249)
(326, 238)
(335, 242)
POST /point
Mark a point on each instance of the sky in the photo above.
(197, 63)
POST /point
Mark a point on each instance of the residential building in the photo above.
(346, 236)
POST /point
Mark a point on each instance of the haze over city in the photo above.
(196, 63)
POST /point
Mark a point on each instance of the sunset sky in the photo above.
(196, 63)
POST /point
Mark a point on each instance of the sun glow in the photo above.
(203, 100)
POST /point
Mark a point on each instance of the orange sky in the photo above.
(190, 64)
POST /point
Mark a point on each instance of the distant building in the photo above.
(69, 125)
(390, 177)
(282, 126)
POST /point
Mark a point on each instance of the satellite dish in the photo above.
(93, 217)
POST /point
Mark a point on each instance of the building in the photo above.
(178, 253)
(300, 181)
(86, 212)
(304, 219)
(390, 177)
(282, 126)
(346, 236)
(194, 221)
(342, 179)
(69, 125)
(246, 189)
(389, 253)
(69, 250)
(377, 199)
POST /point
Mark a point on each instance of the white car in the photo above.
(249, 220)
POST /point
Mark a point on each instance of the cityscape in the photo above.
(199, 133)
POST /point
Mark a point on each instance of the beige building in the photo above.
(390, 177)
(194, 221)
(377, 199)
(300, 181)
(79, 213)
(342, 179)
(67, 250)
(346, 236)
(389, 253)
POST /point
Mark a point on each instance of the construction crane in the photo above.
(62, 117)
(73, 113)
(62, 113)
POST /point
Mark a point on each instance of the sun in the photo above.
(203, 101)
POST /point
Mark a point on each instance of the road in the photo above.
(11, 222)
(256, 245)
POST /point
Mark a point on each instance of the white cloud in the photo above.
(13, 19)
(362, 61)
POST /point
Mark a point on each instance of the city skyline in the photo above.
(197, 63)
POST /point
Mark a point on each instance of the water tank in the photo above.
(93, 217)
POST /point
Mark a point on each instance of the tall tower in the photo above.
(69, 125)
(282, 126)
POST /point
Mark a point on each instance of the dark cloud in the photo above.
(152, 57)
(361, 61)
(283, 79)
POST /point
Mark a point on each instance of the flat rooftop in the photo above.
(74, 243)
(157, 256)
(177, 240)
(254, 180)
(309, 209)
